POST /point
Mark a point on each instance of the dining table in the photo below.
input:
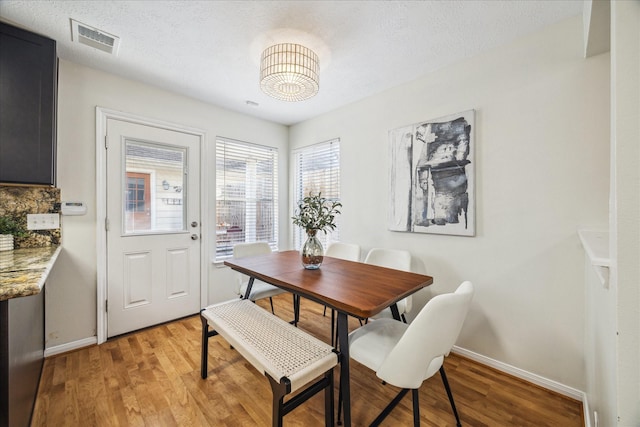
(350, 288)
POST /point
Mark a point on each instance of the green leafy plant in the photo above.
(315, 212)
(8, 225)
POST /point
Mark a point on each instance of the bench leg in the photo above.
(328, 400)
(278, 406)
(281, 388)
(204, 352)
(278, 390)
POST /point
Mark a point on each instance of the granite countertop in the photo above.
(23, 272)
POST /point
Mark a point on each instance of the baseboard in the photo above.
(74, 345)
(532, 378)
(522, 374)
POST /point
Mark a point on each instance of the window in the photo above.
(151, 204)
(246, 195)
(317, 169)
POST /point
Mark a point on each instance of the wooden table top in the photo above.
(358, 289)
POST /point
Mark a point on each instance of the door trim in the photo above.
(102, 115)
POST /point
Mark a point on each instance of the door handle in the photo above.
(194, 224)
(194, 237)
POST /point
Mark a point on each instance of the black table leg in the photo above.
(343, 339)
(247, 293)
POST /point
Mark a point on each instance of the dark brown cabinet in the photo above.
(28, 81)
(21, 357)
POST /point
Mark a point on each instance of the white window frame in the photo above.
(257, 184)
(317, 169)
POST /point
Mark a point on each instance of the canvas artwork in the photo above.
(432, 176)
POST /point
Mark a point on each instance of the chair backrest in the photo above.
(347, 251)
(391, 258)
(429, 338)
(242, 250)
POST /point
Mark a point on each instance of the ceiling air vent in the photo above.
(90, 36)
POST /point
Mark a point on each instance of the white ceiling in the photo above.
(210, 50)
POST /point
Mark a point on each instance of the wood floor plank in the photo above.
(152, 378)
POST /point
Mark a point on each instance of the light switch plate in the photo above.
(43, 221)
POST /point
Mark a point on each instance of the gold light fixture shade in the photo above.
(289, 72)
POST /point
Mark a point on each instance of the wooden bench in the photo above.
(289, 357)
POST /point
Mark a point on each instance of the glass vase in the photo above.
(312, 251)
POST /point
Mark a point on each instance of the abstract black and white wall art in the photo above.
(432, 176)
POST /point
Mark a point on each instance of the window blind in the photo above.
(317, 169)
(246, 195)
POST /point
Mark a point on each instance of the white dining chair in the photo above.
(346, 251)
(399, 260)
(260, 289)
(404, 355)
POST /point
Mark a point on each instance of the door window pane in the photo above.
(154, 193)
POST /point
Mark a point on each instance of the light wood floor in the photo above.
(152, 378)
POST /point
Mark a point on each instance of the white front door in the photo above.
(153, 225)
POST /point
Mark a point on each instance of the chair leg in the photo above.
(324, 312)
(446, 386)
(386, 411)
(271, 301)
(416, 407)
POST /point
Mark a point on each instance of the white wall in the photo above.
(71, 290)
(542, 170)
(625, 206)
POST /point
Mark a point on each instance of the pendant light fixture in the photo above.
(289, 72)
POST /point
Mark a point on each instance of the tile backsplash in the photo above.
(16, 202)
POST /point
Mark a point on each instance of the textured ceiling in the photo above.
(210, 50)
